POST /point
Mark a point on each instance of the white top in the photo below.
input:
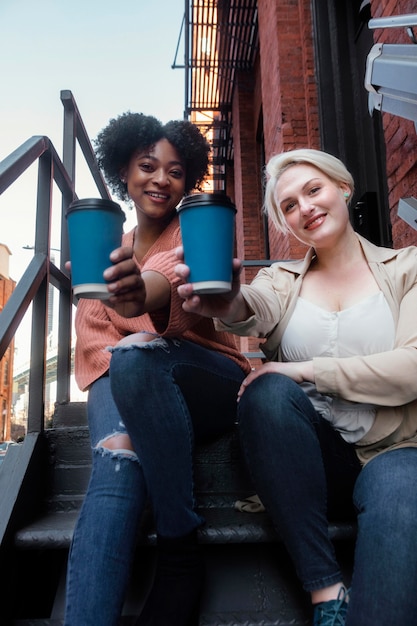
(364, 328)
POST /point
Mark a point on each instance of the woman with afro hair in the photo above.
(159, 380)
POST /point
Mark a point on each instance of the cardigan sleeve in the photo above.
(267, 297)
(95, 331)
(98, 327)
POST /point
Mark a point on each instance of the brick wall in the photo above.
(247, 188)
(289, 94)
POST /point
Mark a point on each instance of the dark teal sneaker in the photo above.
(331, 613)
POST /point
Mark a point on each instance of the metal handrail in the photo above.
(394, 21)
(74, 129)
(408, 22)
(33, 286)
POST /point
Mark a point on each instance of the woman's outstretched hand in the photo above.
(125, 284)
(229, 307)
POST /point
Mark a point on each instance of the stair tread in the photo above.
(254, 619)
(223, 619)
(54, 529)
(124, 621)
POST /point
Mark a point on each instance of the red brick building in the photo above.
(7, 286)
(263, 76)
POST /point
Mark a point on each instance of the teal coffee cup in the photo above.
(207, 222)
(95, 229)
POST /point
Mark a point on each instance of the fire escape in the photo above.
(220, 39)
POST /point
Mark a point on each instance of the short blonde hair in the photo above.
(279, 163)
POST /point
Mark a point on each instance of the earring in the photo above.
(346, 194)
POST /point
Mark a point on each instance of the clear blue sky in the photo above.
(113, 56)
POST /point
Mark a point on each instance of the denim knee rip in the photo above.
(151, 344)
(118, 454)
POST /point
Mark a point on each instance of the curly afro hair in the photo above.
(124, 135)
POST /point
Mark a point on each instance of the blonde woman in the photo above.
(329, 425)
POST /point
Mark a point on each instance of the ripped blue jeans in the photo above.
(166, 394)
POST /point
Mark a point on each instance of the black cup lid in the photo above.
(96, 203)
(206, 198)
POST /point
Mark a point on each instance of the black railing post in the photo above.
(36, 406)
(63, 371)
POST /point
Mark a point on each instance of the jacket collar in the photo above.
(373, 254)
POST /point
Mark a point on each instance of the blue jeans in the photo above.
(167, 394)
(305, 473)
(384, 583)
(104, 539)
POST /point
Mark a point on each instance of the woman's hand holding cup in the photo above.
(222, 305)
(125, 284)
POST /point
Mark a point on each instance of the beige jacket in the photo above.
(387, 379)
